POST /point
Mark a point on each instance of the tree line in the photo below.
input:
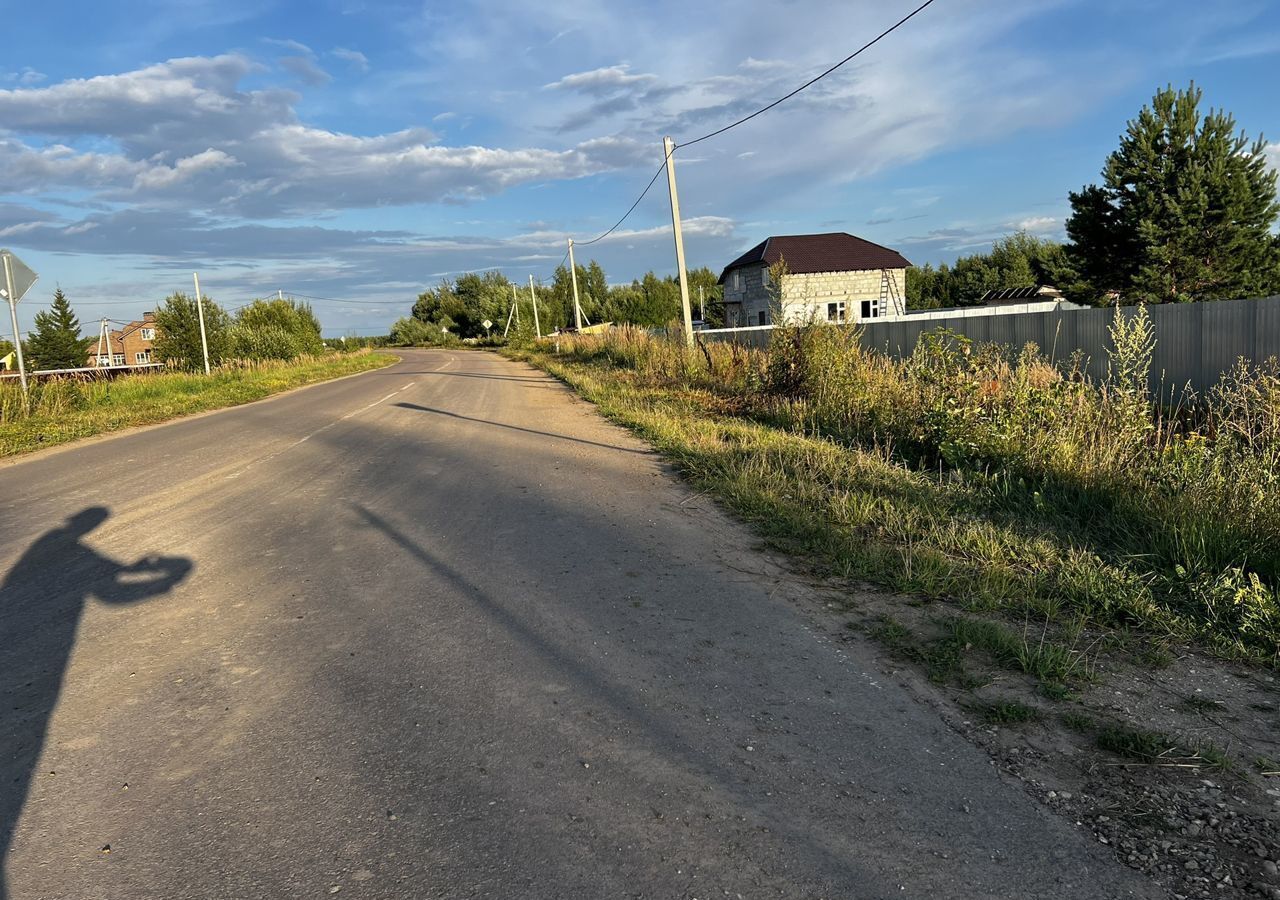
(264, 329)
(459, 307)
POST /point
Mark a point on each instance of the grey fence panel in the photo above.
(1195, 342)
(1266, 335)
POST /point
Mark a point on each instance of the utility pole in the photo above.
(534, 297)
(669, 149)
(204, 342)
(573, 274)
(702, 306)
(514, 301)
(13, 315)
(280, 293)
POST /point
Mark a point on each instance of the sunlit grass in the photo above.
(1003, 484)
(61, 410)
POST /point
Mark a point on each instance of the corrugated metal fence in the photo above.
(1195, 342)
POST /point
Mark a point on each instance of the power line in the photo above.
(336, 300)
(869, 44)
(747, 118)
(629, 211)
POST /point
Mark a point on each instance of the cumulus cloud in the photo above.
(254, 157)
(1273, 155)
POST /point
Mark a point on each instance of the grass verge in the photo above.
(65, 410)
(962, 533)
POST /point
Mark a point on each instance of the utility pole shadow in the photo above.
(41, 601)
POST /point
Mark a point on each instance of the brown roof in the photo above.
(807, 253)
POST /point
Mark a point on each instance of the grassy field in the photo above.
(64, 410)
(1004, 484)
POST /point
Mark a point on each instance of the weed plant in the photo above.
(972, 473)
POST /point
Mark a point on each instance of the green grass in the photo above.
(1003, 487)
(1157, 748)
(65, 410)
(1007, 712)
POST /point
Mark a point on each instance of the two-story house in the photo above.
(833, 277)
(131, 345)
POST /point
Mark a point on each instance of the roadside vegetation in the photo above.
(65, 409)
(1023, 491)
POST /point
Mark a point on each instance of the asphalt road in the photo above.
(441, 631)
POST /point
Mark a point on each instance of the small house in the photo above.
(834, 278)
(131, 345)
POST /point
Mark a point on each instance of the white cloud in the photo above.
(1273, 155)
(27, 77)
(607, 80)
(255, 158)
(1037, 223)
(183, 170)
(305, 69)
(290, 44)
(354, 57)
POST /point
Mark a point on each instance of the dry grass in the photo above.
(965, 473)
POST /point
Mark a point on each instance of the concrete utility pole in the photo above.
(534, 297)
(204, 342)
(515, 300)
(669, 149)
(573, 274)
(13, 316)
(280, 293)
(702, 306)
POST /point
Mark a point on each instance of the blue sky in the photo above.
(363, 150)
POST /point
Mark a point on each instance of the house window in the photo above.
(764, 317)
(870, 309)
(104, 360)
(836, 311)
(764, 276)
(142, 358)
(148, 334)
(117, 359)
(737, 279)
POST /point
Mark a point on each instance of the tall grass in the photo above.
(63, 409)
(972, 472)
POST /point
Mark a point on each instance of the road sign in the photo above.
(18, 275)
(487, 324)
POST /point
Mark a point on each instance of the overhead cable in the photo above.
(812, 81)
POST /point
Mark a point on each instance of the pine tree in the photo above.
(56, 342)
(1185, 210)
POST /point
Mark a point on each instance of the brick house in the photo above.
(130, 346)
(833, 277)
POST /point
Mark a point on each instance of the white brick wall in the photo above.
(805, 297)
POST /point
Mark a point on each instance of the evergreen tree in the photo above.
(1184, 212)
(56, 342)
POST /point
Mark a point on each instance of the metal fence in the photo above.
(1195, 342)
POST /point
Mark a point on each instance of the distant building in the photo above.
(131, 345)
(833, 278)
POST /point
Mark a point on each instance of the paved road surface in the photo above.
(441, 631)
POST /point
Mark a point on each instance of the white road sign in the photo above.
(18, 276)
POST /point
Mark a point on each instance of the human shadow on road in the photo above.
(550, 434)
(41, 601)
